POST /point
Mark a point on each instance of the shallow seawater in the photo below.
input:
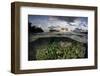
(52, 48)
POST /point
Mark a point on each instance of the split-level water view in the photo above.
(57, 37)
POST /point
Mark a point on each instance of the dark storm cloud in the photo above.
(46, 21)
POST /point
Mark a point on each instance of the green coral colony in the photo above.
(61, 50)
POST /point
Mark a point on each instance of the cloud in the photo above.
(46, 21)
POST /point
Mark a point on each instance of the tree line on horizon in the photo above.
(34, 29)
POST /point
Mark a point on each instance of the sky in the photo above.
(45, 22)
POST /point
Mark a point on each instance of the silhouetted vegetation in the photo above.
(34, 29)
